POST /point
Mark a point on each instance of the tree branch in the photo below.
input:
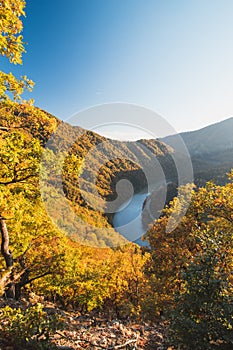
(14, 181)
(37, 277)
(3, 128)
(6, 128)
(125, 344)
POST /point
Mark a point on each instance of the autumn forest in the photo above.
(64, 281)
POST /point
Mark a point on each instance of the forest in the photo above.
(73, 290)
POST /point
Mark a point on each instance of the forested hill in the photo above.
(126, 282)
(211, 152)
(92, 164)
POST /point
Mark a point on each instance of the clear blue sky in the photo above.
(173, 56)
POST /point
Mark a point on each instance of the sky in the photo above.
(174, 57)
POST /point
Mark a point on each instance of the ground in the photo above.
(95, 332)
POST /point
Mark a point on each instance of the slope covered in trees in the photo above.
(190, 269)
(24, 126)
(192, 264)
(186, 275)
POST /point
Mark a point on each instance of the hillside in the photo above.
(68, 280)
(210, 139)
(211, 150)
(70, 264)
(91, 167)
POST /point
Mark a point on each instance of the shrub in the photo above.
(202, 318)
(27, 328)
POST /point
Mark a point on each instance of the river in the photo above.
(128, 220)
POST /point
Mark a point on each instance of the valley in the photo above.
(112, 237)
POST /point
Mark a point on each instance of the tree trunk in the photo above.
(5, 244)
(23, 281)
(7, 255)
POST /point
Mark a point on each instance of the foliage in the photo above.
(98, 278)
(67, 272)
(10, 84)
(27, 328)
(187, 273)
(28, 119)
(20, 204)
(170, 252)
(203, 313)
(20, 157)
(12, 46)
(190, 269)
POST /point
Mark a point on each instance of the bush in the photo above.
(202, 318)
(30, 328)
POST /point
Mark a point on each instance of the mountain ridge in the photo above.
(199, 140)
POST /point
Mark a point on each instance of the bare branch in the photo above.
(125, 344)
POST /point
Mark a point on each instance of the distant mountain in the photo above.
(211, 153)
(211, 139)
(211, 150)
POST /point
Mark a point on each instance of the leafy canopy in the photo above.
(12, 47)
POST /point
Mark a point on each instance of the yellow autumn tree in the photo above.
(12, 47)
(205, 232)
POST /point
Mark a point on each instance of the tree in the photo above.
(170, 252)
(191, 269)
(12, 171)
(202, 318)
(19, 161)
(12, 46)
(210, 211)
